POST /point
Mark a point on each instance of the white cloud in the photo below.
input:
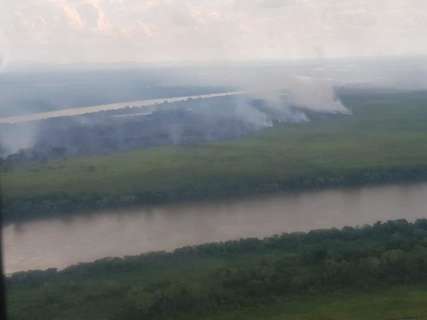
(176, 30)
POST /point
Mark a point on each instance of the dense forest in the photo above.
(382, 142)
(228, 280)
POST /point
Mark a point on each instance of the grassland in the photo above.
(396, 303)
(383, 141)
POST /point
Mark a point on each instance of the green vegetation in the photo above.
(370, 272)
(384, 141)
(398, 303)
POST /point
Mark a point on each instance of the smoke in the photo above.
(315, 95)
(247, 113)
(272, 95)
(274, 92)
(4, 52)
(289, 95)
(14, 138)
(2, 63)
(287, 90)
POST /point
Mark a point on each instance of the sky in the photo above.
(152, 31)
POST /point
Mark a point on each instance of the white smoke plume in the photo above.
(283, 88)
(315, 95)
(14, 138)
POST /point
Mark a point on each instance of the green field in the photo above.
(384, 141)
(370, 272)
(398, 303)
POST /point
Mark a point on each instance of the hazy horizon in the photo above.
(63, 32)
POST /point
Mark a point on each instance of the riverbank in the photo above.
(382, 142)
(370, 272)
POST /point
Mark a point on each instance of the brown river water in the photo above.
(61, 242)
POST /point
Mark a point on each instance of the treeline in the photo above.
(53, 204)
(193, 282)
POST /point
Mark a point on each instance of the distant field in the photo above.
(384, 141)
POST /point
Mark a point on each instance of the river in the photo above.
(69, 112)
(62, 242)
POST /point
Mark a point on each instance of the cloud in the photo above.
(209, 30)
(73, 16)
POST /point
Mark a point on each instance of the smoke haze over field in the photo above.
(310, 85)
(57, 54)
